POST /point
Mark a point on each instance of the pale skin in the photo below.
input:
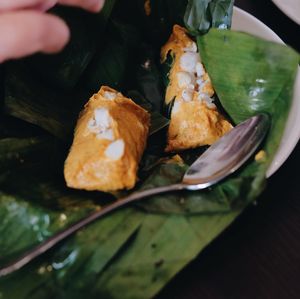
(26, 28)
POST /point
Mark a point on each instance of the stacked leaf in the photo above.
(200, 16)
(134, 252)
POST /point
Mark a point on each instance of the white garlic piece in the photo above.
(188, 61)
(187, 95)
(115, 150)
(200, 69)
(110, 95)
(185, 79)
(100, 124)
(176, 107)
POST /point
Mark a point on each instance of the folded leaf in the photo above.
(158, 121)
(201, 15)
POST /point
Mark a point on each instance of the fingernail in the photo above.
(59, 37)
(96, 6)
(46, 5)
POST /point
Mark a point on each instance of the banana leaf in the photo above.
(201, 15)
(30, 99)
(66, 271)
(134, 252)
(158, 121)
(34, 204)
(10, 127)
(233, 194)
(109, 65)
(148, 77)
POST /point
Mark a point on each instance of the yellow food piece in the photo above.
(176, 45)
(260, 156)
(195, 125)
(90, 164)
(195, 120)
(177, 159)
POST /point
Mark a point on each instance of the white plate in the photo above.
(289, 7)
(242, 21)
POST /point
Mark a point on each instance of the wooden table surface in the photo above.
(259, 255)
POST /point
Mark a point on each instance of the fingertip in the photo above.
(89, 5)
(55, 40)
(27, 32)
(97, 6)
(45, 5)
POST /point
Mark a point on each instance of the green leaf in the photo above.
(244, 87)
(163, 246)
(111, 63)
(30, 224)
(14, 127)
(35, 204)
(234, 193)
(75, 266)
(158, 121)
(148, 77)
(201, 15)
(29, 99)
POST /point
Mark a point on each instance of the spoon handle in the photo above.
(56, 238)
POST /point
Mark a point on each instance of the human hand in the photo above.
(25, 28)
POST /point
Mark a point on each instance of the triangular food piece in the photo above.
(195, 120)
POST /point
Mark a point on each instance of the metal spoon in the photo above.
(221, 159)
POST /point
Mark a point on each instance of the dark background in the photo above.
(259, 255)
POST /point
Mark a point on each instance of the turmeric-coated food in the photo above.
(109, 141)
(195, 120)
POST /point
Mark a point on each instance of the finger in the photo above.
(91, 5)
(46, 5)
(24, 33)
(6, 5)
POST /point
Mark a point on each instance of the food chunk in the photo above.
(109, 141)
(195, 120)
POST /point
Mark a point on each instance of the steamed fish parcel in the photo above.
(109, 141)
(195, 120)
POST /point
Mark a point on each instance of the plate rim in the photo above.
(290, 14)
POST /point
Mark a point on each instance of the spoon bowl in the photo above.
(228, 154)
